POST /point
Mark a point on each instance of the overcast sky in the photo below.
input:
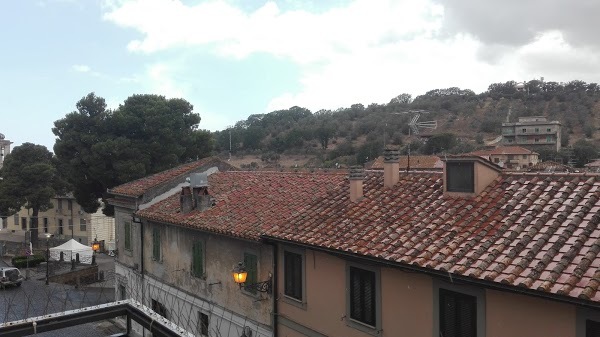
(234, 58)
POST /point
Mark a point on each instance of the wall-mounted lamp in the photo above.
(240, 274)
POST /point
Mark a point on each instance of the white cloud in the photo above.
(81, 68)
(363, 52)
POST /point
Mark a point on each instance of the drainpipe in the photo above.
(275, 289)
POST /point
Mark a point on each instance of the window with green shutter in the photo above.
(156, 244)
(251, 263)
(127, 235)
(197, 259)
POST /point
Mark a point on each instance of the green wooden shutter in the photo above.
(156, 244)
(198, 263)
(251, 261)
(127, 235)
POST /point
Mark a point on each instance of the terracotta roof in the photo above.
(535, 231)
(139, 187)
(248, 203)
(416, 162)
(595, 163)
(503, 150)
(551, 166)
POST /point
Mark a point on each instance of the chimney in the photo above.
(186, 200)
(391, 167)
(356, 183)
(195, 196)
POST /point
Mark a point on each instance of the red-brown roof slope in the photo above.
(504, 150)
(139, 187)
(416, 162)
(248, 203)
(526, 230)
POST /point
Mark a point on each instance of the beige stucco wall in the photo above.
(407, 305)
(515, 315)
(325, 308)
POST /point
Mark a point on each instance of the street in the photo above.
(34, 298)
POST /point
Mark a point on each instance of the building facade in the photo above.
(65, 220)
(533, 132)
(510, 157)
(4, 148)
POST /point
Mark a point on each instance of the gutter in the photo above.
(446, 276)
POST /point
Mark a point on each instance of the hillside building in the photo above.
(510, 157)
(65, 220)
(533, 132)
(4, 148)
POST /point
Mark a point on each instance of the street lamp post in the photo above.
(48, 236)
(95, 247)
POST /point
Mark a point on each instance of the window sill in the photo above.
(294, 301)
(358, 325)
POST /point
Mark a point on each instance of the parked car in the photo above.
(10, 276)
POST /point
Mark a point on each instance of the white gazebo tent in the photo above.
(70, 249)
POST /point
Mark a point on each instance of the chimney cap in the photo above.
(198, 180)
(391, 155)
(356, 173)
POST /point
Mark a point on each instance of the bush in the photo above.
(21, 261)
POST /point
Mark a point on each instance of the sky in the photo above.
(234, 58)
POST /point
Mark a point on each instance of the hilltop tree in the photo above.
(101, 149)
(30, 180)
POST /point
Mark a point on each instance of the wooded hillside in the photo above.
(466, 121)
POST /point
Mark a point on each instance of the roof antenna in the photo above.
(414, 125)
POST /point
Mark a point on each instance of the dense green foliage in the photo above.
(99, 148)
(22, 261)
(29, 179)
(465, 120)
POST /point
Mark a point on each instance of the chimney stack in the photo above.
(186, 200)
(391, 167)
(195, 196)
(356, 183)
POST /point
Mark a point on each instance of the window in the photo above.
(548, 130)
(251, 264)
(159, 308)
(496, 160)
(59, 204)
(293, 275)
(460, 177)
(122, 292)
(197, 259)
(127, 235)
(524, 156)
(71, 225)
(592, 328)
(60, 226)
(4, 222)
(363, 296)
(24, 223)
(82, 225)
(69, 204)
(156, 244)
(458, 314)
(549, 139)
(202, 324)
(537, 129)
(45, 225)
(524, 130)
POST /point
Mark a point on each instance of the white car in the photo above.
(10, 276)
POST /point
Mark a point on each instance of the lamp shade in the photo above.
(95, 246)
(239, 274)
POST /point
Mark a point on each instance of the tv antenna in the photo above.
(414, 125)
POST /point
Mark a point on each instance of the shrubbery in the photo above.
(21, 261)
